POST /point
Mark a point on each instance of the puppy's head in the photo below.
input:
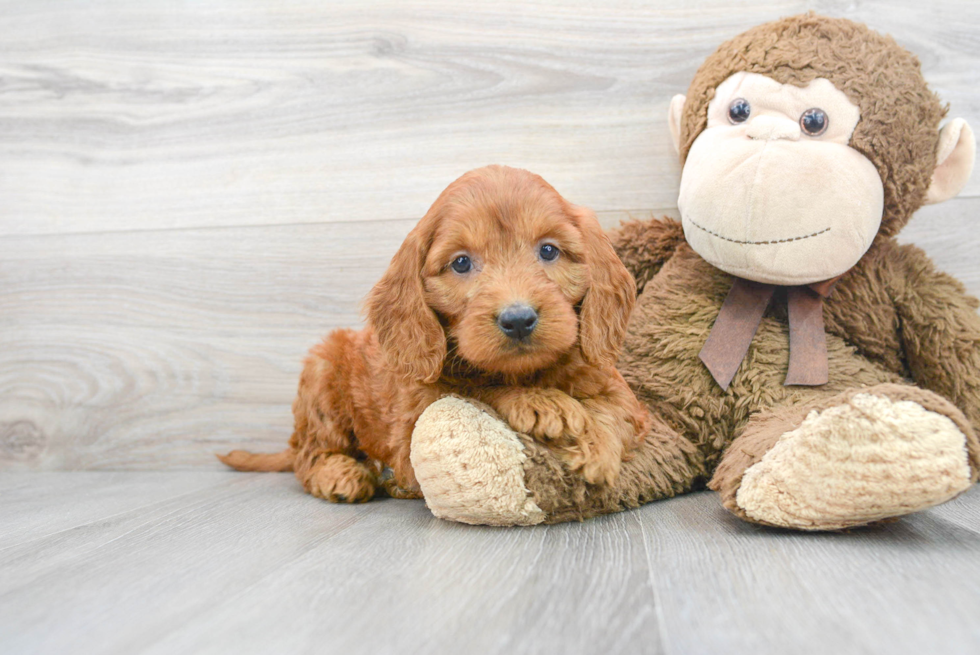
(510, 272)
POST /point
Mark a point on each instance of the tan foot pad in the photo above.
(852, 464)
(470, 466)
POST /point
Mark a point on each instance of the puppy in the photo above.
(504, 293)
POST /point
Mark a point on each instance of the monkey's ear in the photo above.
(674, 120)
(954, 161)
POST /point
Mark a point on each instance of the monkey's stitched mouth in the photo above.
(757, 243)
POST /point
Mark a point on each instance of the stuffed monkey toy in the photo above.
(795, 357)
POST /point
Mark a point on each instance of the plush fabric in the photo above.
(874, 72)
(779, 207)
(473, 464)
(956, 154)
(864, 455)
(893, 429)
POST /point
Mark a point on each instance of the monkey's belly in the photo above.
(670, 324)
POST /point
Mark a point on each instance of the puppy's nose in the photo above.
(517, 321)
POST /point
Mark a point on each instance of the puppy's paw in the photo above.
(396, 488)
(341, 479)
(602, 471)
(546, 414)
(598, 455)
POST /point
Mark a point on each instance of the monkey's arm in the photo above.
(940, 330)
(644, 246)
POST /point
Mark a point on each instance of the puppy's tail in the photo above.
(242, 460)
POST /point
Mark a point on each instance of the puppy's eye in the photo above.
(739, 110)
(548, 252)
(814, 121)
(461, 264)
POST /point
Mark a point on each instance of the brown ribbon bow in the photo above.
(739, 319)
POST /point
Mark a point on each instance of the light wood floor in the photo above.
(167, 562)
(191, 194)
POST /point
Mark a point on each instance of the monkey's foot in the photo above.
(871, 457)
(470, 466)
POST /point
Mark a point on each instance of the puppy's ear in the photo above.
(408, 331)
(609, 301)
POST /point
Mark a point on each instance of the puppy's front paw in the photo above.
(601, 471)
(598, 454)
(545, 414)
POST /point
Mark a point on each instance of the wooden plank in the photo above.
(572, 588)
(155, 350)
(294, 571)
(138, 116)
(961, 511)
(36, 505)
(145, 399)
(254, 565)
(723, 585)
(124, 579)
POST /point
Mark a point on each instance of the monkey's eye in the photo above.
(461, 264)
(739, 110)
(814, 121)
(548, 252)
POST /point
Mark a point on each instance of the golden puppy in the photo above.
(505, 293)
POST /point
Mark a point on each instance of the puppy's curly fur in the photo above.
(497, 237)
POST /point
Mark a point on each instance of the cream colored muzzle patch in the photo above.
(869, 459)
(470, 466)
(766, 201)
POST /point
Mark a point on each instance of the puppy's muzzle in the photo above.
(517, 321)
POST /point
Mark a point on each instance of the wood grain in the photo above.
(248, 563)
(142, 116)
(191, 194)
(156, 350)
(741, 588)
(43, 504)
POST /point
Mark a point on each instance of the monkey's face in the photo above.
(771, 191)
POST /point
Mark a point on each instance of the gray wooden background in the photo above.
(191, 194)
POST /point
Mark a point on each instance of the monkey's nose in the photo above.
(771, 128)
(517, 321)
